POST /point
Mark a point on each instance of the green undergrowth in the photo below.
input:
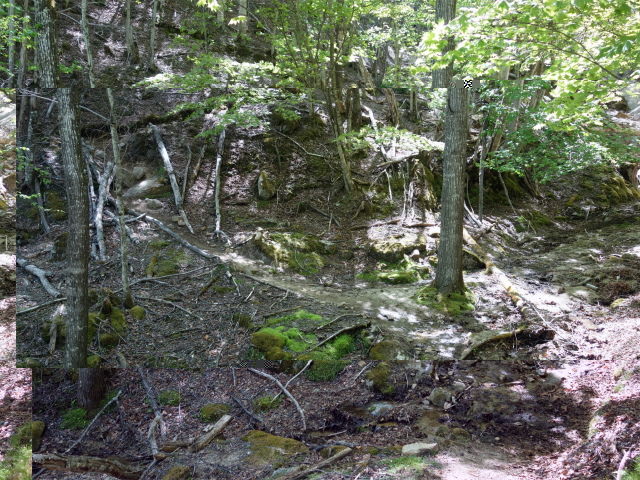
(632, 473)
(74, 418)
(405, 271)
(454, 303)
(16, 464)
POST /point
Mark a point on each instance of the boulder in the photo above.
(266, 189)
(387, 251)
(419, 449)
(152, 186)
(153, 203)
(439, 396)
(138, 173)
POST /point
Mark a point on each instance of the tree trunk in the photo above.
(242, 11)
(449, 270)
(22, 63)
(220, 15)
(12, 42)
(77, 279)
(91, 387)
(356, 110)
(445, 10)
(133, 54)
(128, 298)
(152, 54)
(47, 45)
(87, 43)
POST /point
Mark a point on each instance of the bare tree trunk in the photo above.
(46, 45)
(12, 42)
(78, 239)
(133, 54)
(449, 270)
(356, 109)
(445, 10)
(87, 43)
(22, 63)
(29, 156)
(91, 387)
(152, 55)
(242, 11)
(103, 191)
(128, 298)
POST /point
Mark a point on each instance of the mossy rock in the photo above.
(460, 435)
(267, 449)
(387, 251)
(389, 351)
(169, 397)
(301, 253)
(471, 262)
(324, 367)
(106, 306)
(118, 320)
(107, 340)
(137, 312)
(178, 472)
(378, 379)
(56, 206)
(454, 303)
(243, 320)
(93, 296)
(93, 361)
(267, 339)
(169, 262)
(158, 245)
(37, 429)
(213, 412)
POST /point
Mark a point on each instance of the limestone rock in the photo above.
(439, 396)
(387, 251)
(153, 203)
(419, 449)
(138, 173)
(266, 189)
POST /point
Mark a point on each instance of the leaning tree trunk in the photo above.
(87, 43)
(126, 290)
(445, 10)
(46, 45)
(75, 177)
(449, 269)
(91, 387)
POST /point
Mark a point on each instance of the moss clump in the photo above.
(454, 303)
(93, 361)
(299, 315)
(266, 403)
(341, 346)
(213, 412)
(37, 429)
(270, 449)
(378, 378)
(158, 245)
(108, 340)
(170, 262)
(74, 418)
(243, 320)
(178, 472)
(536, 220)
(405, 271)
(268, 338)
(169, 397)
(324, 367)
(572, 200)
(137, 312)
(56, 206)
(118, 321)
(93, 296)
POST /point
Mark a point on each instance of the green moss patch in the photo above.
(169, 397)
(405, 271)
(137, 312)
(534, 219)
(56, 206)
(266, 403)
(37, 429)
(270, 449)
(213, 412)
(454, 303)
(301, 253)
(378, 378)
(74, 418)
(169, 262)
(93, 361)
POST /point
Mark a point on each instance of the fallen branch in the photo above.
(206, 439)
(346, 329)
(291, 380)
(218, 231)
(379, 224)
(41, 274)
(625, 457)
(152, 401)
(81, 463)
(300, 472)
(286, 392)
(257, 419)
(172, 176)
(317, 210)
(501, 335)
(37, 307)
(173, 305)
(186, 173)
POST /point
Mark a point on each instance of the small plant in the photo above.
(632, 473)
(16, 464)
(169, 397)
(266, 403)
(74, 418)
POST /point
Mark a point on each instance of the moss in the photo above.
(158, 245)
(454, 303)
(341, 346)
(222, 290)
(169, 397)
(37, 429)
(118, 321)
(213, 412)
(93, 296)
(300, 315)
(243, 320)
(169, 263)
(379, 378)
(575, 198)
(56, 206)
(151, 268)
(137, 312)
(301, 253)
(272, 450)
(93, 361)
(108, 340)
(403, 272)
(266, 403)
(178, 472)
(74, 418)
(324, 368)
(268, 338)
(263, 204)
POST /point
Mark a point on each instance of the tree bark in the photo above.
(22, 63)
(87, 43)
(81, 463)
(47, 45)
(242, 11)
(449, 270)
(445, 10)
(128, 298)
(78, 240)
(12, 42)
(91, 387)
(133, 54)
(152, 54)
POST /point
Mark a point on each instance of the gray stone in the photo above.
(386, 251)
(346, 254)
(266, 189)
(138, 173)
(439, 396)
(419, 449)
(153, 203)
(151, 186)
(458, 386)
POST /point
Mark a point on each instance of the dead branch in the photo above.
(173, 305)
(317, 210)
(103, 190)
(299, 472)
(37, 307)
(257, 419)
(291, 380)
(286, 392)
(81, 463)
(186, 173)
(346, 329)
(152, 401)
(379, 224)
(205, 439)
(53, 336)
(172, 176)
(41, 274)
(218, 231)
(625, 457)
(43, 218)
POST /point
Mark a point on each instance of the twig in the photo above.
(281, 300)
(365, 367)
(37, 307)
(291, 380)
(286, 392)
(257, 419)
(174, 305)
